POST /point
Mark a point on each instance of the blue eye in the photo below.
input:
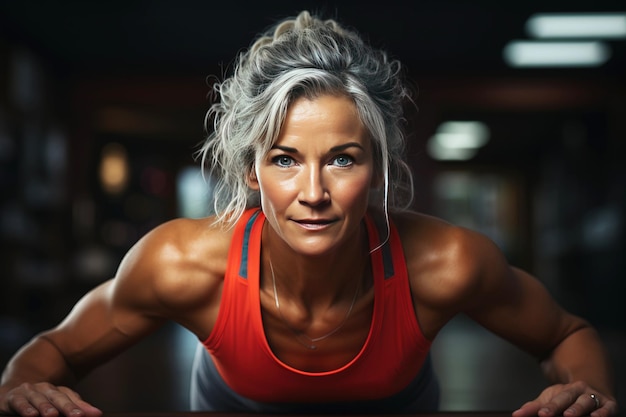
(343, 161)
(283, 161)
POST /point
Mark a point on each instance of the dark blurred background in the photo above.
(102, 106)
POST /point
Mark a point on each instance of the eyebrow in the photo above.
(337, 148)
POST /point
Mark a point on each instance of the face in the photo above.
(315, 181)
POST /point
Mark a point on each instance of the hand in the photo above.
(45, 400)
(570, 400)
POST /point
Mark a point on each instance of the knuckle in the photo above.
(64, 389)
(26, 386)
(569, 396)
(43, 386)
(70, 393)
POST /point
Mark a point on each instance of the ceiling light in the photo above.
(457, 140)
(577, 25)
(463, 134)
(441, 153)
(556, 54)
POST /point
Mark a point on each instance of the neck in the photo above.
(315, 280)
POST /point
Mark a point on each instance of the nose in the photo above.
(313, 191)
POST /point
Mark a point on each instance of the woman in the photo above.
(310, 289)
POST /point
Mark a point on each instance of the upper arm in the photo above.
(159, 279)
(454, 270)
(110, 317)
(90, 334)
(511, 302)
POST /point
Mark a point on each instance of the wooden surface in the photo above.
(207, 414)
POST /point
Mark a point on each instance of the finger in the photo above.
(584, 405)
(558, 403)
(69, 403)
(42, 404)
(609, 408)
(20, 405)
(88, 409)
(531, 408)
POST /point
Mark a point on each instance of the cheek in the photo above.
(276, 191)
(357, 190)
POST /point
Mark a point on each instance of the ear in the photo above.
(252, 180)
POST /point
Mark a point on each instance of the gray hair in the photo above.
(303, 57)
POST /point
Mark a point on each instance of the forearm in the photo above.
(580, 357)
(35, 381)
(38, 361)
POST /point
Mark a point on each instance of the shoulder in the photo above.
(448, 266)
(177, 265)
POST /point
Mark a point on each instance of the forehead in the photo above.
(323, 103)
(326, 116)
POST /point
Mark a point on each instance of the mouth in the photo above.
(314, 224)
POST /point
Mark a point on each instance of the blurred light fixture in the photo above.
(114, 169)
(556, 54)
(194, 193)
(577, 25)
(458, 140)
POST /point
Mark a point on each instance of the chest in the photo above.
(376, 353)
(322, 344)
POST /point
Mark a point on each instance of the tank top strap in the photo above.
(245, 242)
(383, 238)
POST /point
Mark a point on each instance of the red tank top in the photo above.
(390, 358)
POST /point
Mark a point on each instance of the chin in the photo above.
(317, 247)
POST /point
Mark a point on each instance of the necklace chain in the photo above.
(301, 337)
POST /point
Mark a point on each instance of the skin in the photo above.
(314, 187)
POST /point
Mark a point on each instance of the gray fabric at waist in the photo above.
(209, 392)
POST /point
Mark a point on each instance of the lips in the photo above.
(314, 224)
